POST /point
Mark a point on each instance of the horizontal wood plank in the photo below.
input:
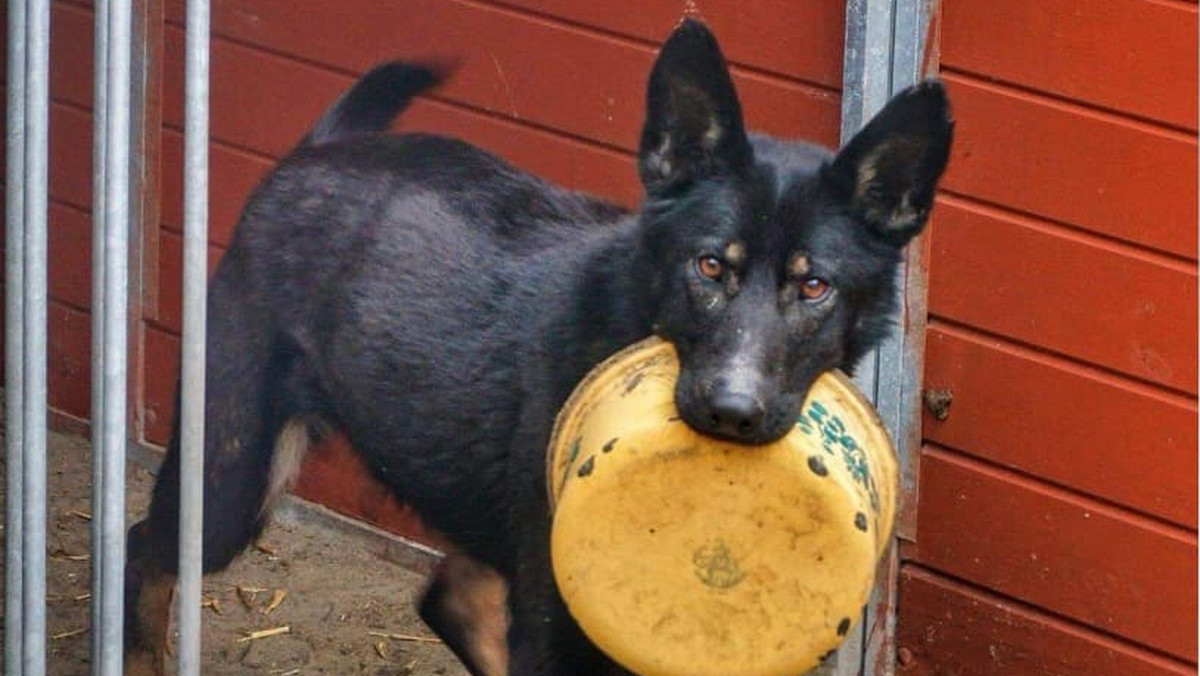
(1051, 288)
(1068, 555)
(800, 40)
(68, 359)
(949, 628)
(70, 160)
(592, 89)
(1086, 169)
(69, 238)
(1133, 56)
(69, 242)
(1010, 405)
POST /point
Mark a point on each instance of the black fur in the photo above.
(438, 305)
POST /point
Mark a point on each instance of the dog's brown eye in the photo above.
(814, 288)
(710, 266)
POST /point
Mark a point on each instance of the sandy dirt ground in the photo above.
(347, 608)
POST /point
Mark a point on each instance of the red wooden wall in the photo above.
(1056, 524)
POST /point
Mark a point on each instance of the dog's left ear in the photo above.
(693, 125)
(888, 172)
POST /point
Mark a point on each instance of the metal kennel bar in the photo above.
(14, 354)
(99, 134)
(884, 53)
(195, 275)
(33, 418)
(111, 227)
(26, 311)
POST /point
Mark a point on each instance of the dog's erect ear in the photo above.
(889, 171)
(693, 121)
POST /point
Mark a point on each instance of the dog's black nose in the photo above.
(735, 415)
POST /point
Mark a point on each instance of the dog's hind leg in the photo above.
(251, 410)
(148, 594)
(466, 605)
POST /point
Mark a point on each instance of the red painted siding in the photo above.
(1053, 549)
(1074, 166)
(1048, 287)
(1056, 519)
(1127, 56)
(956, 630)
(762, 34)
(1038, 414)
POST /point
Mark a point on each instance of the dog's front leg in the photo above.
(466, 604)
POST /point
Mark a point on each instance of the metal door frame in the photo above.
(885, 52)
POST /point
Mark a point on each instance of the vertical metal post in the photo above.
(866, 82)
(99, 194)
(195, 274)
(885, 41)
(111, 243)
(14, 354)
(37, 109)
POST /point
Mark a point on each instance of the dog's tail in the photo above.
(374, 101)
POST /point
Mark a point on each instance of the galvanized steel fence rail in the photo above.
(28, 120)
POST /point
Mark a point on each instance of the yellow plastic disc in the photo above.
(683, 555)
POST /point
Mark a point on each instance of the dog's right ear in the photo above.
(888, 173)
(694, 122)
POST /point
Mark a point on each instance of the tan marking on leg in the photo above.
(290, 447)
(153, 618)
(478, 598)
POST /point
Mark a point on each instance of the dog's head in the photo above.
(771, 261)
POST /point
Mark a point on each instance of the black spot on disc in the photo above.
(674, 418)
(609, 446)
(860, 521)
(843, 626)
(632, 383)
(587, 467)
(817, 465)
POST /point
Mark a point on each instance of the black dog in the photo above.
(438, 305)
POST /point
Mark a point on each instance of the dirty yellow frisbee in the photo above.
(683, 555)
